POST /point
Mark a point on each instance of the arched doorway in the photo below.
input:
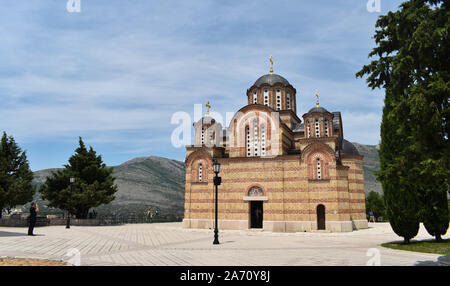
(256, 207)
(256, 214)
(320, 217)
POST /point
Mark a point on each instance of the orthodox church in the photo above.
(279, 172)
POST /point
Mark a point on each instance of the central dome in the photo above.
(271, 79)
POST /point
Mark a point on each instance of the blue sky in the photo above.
(116, 72)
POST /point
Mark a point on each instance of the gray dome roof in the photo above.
(271, 79)
(318, 109)
(348, 148)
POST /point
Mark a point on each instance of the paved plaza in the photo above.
(168, 244)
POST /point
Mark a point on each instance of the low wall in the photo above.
(23, 222)
(76, 222)
(43, 221)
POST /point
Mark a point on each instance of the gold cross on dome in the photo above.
(271, 65)
(317, 96)
(208, 106)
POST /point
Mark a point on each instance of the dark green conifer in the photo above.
(94, 183)
(15, 175)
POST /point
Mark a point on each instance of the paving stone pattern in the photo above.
(168, 244)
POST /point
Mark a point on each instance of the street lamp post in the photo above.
(72, 180)
(217, 182)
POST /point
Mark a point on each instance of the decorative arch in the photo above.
(198, 154)
(314, 152)
(193, 163)
(317, 147)
(246, 117)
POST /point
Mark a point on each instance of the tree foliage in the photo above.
(93, 186)
(375, 203)
(412, 64)
(15, 175)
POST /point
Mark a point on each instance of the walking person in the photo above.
(33, 213)
(149, 215)
(372, 217)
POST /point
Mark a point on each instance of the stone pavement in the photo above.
(169, 244)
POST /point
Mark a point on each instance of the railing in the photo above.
(132, 219)
(102, 220)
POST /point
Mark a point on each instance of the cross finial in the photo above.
(317, 96)
(208, 106)
(271, 65)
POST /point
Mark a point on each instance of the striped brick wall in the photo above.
(292, 195)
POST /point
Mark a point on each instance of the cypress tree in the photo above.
(15, 175)
(400, 197)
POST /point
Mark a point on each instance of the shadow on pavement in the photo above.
(7, 233)
(427, 263)
(229, 241)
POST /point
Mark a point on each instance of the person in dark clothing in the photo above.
(33, 213)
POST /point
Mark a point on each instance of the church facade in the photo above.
(279, 172)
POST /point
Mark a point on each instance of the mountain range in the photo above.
(159, 183)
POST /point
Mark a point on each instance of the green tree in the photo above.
(413, 67)
(401, 199)
(375, 203)
(15, 175)
(94, 183)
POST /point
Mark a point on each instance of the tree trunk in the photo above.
(438, 238)
(406, 241)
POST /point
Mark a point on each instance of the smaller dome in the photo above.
(318, 109)
(205, 120)
(347, 148)
(271, 79)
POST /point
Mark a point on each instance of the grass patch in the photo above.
(30, 262)
(426, 246)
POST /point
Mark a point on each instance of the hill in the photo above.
(371, 164)
(143, 182)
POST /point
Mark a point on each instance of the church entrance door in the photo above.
(256, 214)
(320, 217)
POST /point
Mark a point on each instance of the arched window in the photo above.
(318, 169)
(211, 138)
(255, 98)
(263, 140)
(288, 101)
(278, 99)
(317, 128)
(255, 137)
(308, 129)
(203, 135)
(326, 128)
(266, 97)
(249, 142)
(200, 173)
